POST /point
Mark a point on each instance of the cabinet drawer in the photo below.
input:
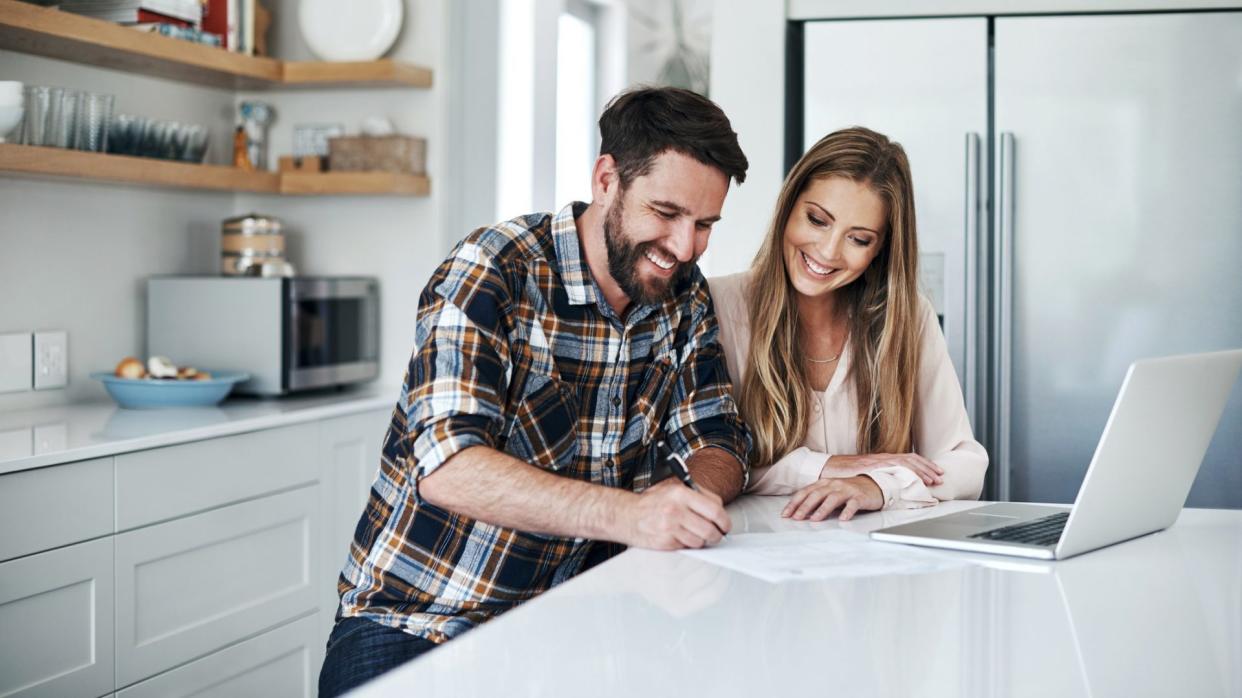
(81, 493)
(165, 483)
(56, 622)
(281, 662)
(192, 586)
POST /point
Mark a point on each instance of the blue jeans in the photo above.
(360, 650)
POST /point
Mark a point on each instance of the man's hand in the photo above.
(670, 515)
(822, 497)
(849, 466)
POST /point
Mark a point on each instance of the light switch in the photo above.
(51, 360)
(15, 362)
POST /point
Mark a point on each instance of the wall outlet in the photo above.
(51, 360)
(15, 368)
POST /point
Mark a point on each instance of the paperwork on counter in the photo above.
(825, 554)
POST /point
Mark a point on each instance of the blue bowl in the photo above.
(148, 393)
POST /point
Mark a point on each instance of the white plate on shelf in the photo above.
(359, 30)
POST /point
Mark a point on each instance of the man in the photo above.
(554, 353)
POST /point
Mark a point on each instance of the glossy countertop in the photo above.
(1160, 615)
(62, 434)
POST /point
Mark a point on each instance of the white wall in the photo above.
(74, 255)
(653, 42)
(398, 239)
(748, 84)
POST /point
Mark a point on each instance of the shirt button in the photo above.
(609, 463)
(815, 406)
(616, 401)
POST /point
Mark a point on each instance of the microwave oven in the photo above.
(290, 334)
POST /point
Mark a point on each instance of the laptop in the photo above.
(1146, 460)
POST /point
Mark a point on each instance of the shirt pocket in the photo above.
(651, 405)
(544, 429)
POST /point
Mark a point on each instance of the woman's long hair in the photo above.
(881, 306)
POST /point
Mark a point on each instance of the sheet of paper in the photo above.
(800, 555)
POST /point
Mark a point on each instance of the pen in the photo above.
(678, 465)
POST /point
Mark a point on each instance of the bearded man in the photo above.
(554, 352)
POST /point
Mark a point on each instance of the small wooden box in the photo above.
(406, 154)
(306, 163)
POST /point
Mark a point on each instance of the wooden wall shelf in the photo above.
(51, 33)
(31, 161)
(354, 183)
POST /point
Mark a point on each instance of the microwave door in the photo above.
(332, 331)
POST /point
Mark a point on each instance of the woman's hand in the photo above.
(849, 466)
(822, 497)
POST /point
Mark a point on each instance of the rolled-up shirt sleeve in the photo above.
(459, 373)
(702, 413)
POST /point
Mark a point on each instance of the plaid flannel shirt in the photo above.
(518, 350)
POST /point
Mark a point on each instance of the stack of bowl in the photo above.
(253, 245)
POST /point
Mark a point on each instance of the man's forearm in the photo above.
(717, 470)
(485, 484)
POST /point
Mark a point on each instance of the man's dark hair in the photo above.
(640, 124)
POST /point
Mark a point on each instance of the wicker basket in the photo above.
(406, 154)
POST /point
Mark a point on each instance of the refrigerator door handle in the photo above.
(1003, 316)
(970, 372)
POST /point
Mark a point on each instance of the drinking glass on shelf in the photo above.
(122, 136)
(62, 117)
(196, 144)
(38, 102)
(94, 115)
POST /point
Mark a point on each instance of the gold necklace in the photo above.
(829, 359)
(824, 361)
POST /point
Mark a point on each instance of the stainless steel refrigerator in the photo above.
(1078, 185)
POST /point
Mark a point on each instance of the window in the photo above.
(576, 129)
(560, 61)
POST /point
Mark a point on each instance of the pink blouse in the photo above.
(942, 432)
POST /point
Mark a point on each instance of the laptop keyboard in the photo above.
(1043, 531)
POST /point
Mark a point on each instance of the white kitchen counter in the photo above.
(63, 434)
(1157, 616)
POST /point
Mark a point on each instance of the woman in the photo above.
(839, 365)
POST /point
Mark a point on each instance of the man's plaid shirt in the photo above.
(518, 350)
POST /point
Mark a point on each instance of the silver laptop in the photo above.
(1143, 467)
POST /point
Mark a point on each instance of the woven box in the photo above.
(406, 154)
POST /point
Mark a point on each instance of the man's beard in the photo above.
(623, 259)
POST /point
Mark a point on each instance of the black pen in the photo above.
(678, 465)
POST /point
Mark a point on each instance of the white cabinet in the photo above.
(164, 483)
(56, 621)
(82, 491)
(282, 662)
(212, 570)
(191, 586)
(350, 453)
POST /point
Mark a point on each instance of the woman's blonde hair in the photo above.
(881, 306)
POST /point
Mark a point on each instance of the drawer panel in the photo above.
(281, 662)
(83, 488)
(165, 483)
(192, 586)
(56, 622)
